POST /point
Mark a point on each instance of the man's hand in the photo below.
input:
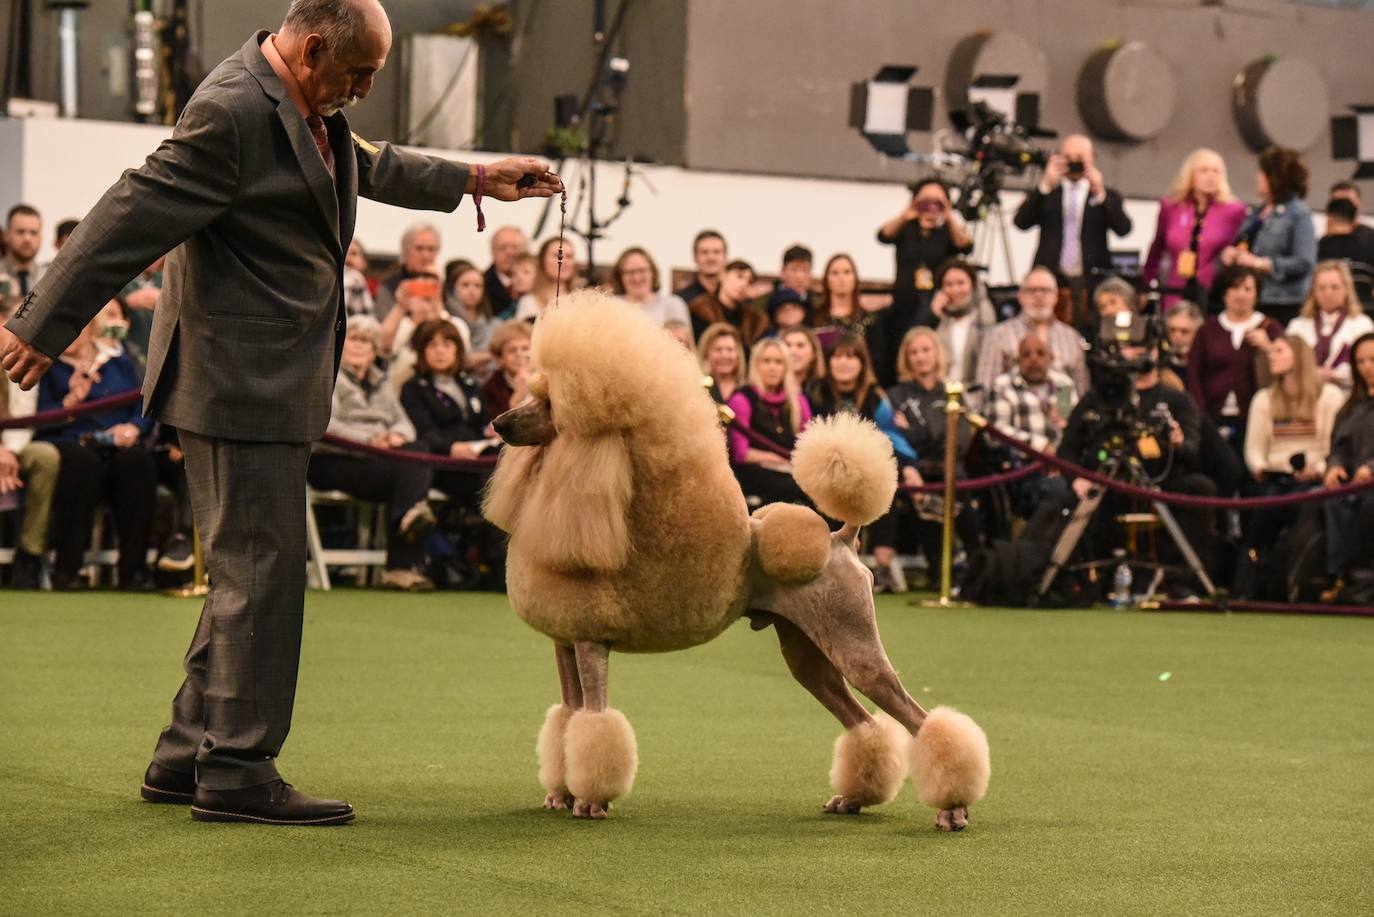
(395, 440)
(1229, 254)
(78, 387)
(1083, 487)
(9, 471)
(381, 441)
(504, 179)
(1097, 185)
(21, 361)
(1336, 476)
(1363, 473)
(1308, 475)
(1055, 170)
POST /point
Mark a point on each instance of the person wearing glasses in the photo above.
(1037, 296)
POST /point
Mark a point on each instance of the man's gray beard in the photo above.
(330, 110)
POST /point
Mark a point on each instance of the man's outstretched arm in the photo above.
(185, 185)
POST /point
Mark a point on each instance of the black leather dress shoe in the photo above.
(167, 786)
(275, 803)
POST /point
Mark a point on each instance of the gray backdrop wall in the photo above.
(763, 85)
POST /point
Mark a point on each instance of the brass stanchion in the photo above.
(954, 411)
(198, 587)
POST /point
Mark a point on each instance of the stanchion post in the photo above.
(954, 412)
(198, 587)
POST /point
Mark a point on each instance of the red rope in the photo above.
(58, 417)
(1164, 496)
(481, 463)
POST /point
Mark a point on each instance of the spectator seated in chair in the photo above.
(1033, 403)
(1331, 320)
(507, 386)
(418, 300)
(721, 351)
(445, 405)
(1287, 438)
(773, 408)
(850, 386)
(103, 457)
(918, 410)
(1349, 520)
(28, 479)
(366, 410)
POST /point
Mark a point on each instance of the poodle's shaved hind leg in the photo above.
(845, 629)
(819, 676)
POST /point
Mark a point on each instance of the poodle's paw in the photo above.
(561, 801)
(593, 810)
(955, 819)
(840, 805)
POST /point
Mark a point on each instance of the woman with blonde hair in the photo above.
(721, 352)
(772, 407)
(1287, 440)
(1331, 320)
(1198, 218)
(918, 398)
(808, 359)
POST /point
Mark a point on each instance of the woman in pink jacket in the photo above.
(1197, 219)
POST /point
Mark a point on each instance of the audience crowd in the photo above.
(1262, 381)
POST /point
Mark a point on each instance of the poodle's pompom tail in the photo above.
(870, 761)
(600, 755)
(792, 542)
(845, 465)
(549, 748)
(950, 764)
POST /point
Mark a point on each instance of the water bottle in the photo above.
(1121, 582)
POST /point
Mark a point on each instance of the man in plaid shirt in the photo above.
(1033, 401)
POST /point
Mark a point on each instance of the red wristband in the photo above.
(477, 196)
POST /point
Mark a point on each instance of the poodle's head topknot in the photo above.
(609, 367)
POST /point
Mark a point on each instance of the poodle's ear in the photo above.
(510, 486)
(576, 518)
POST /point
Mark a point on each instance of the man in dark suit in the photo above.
(507, 244)
(1074, 209)
(255, 196)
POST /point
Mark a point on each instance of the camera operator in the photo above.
(1074, 209)
(927, 234)
(1162, 429)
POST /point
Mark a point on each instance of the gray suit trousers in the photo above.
(233, 712)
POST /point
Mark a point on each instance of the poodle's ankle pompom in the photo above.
(600, 757)
(845, 465)
(950, 764)
(549, 748)
(870, 761)
(791, 542)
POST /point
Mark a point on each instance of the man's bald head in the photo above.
(1077, 147)
(334, 48)
(1033, 359)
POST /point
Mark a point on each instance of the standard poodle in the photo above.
(628, 532)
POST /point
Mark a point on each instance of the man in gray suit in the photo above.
(255, 195)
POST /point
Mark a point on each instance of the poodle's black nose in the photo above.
(502, 425)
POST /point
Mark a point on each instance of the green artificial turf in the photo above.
(1243, 782)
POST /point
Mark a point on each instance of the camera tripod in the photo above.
(990, 230)
(1129, 469)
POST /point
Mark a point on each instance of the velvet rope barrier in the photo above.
(58, 417)
(1175, 499)
(481, 463)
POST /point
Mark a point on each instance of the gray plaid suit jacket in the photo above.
(247, 335)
